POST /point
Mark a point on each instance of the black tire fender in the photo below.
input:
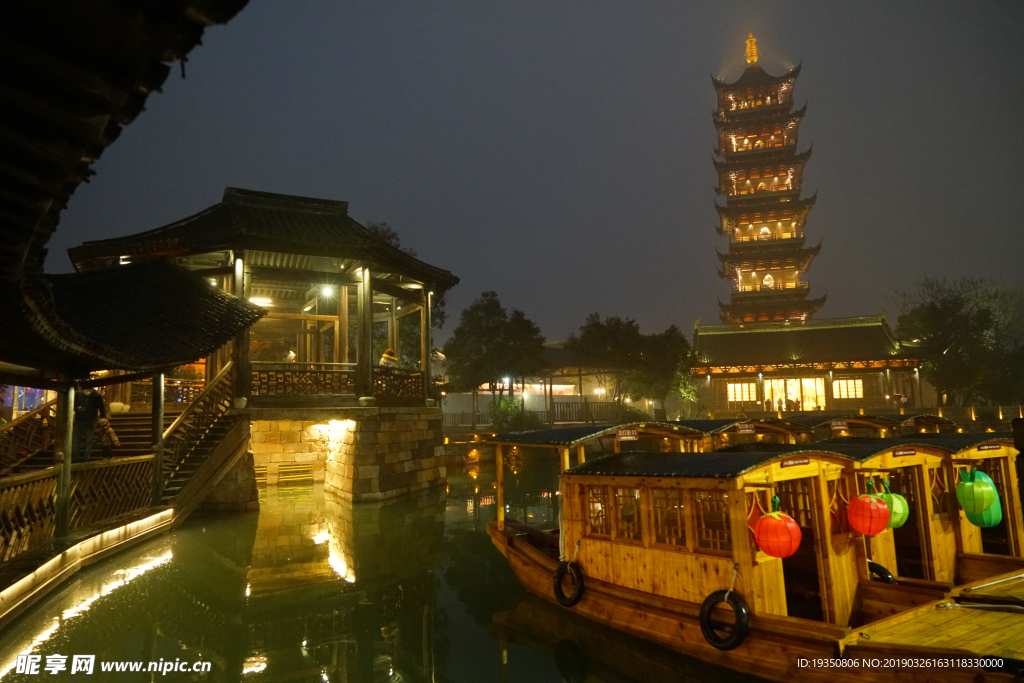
(577, 577)
(742, 627)
(883, 574)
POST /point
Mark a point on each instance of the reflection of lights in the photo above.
(341, 568)
(254, 665)
(124, 577)
(260, 300)
(247, 590)
(320, 538)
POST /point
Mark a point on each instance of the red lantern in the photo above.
(868, 514)
(776, 533)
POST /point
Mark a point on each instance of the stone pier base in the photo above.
(362, 454)
(237, 490)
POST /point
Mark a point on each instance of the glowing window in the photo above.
(739, 392)
(848, 388)
(769, 281)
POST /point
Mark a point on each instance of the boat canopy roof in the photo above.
(863, 449)
(720, 426)
(571, 436)
(713, 465)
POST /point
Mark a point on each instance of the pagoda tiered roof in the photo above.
(778, 305)
(743, 118)
(756, 76)
(769, 256)
(798, 209)
(768, 156)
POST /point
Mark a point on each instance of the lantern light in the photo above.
(776, 533)
(991, 517)
(899, 510)
(868, 514)
(974, 493)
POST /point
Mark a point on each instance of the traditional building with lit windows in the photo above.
(760, 176)
(838, 364)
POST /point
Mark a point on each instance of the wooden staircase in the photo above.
(183, 473)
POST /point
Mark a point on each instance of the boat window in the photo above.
(711, 515)
(597, 511)
(795, 500)
(669, 521)
(943, 498)
(627, 522)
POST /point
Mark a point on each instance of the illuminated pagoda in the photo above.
(760, 174)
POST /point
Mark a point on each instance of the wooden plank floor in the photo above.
(983, 632)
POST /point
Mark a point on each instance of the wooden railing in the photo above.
(177, 392)
(195, 421)
(27, 435)
(586, 411)
(99, 491)
(303, 379)
(397, 383)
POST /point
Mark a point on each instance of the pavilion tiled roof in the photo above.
(833, 340)
(755, 75)
(265, 221)
(75, 73)
(148, 315)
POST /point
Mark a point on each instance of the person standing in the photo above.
(89, 408)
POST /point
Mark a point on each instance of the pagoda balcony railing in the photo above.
(740, 149)
(745, 192)
(769, 238)
(303, 379)
(777, 287)
(398, 383)
(177, 392)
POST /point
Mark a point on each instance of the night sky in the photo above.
(560, 152)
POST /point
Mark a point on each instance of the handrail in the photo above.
(192, 406)
(54, 470)
(27, 416)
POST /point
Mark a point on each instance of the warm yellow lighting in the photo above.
(254, 665)
(327, 291)
(260, 301)
(320, 538)
(751, 50)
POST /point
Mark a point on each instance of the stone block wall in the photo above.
(361, 454)
(391, 454)
(237, 490)
(288, 442)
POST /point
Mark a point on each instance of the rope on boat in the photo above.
(992, 583)
(732, 584)
(576, 553)
(991, 608)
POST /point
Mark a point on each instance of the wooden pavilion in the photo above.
(336, 296)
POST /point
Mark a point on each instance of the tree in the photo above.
(663, 368)
(974, 329)
(490, 344)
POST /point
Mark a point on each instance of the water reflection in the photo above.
(313, 588)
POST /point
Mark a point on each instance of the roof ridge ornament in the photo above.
(751, 49)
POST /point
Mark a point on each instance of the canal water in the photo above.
(312, 588)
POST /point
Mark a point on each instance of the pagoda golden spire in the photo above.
(751, 50)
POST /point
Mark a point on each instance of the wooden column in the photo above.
(158, 438)
(581, 455)
(499, 469)
(342, 343)
(364, 374)
(426, 321)
(551, 396)
(242, 377)
(564, 464)
(63, 449)
(393, 326)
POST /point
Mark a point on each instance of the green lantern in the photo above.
(991, 517)
(899, 510)
(974, 493)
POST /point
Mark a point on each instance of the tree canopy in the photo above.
(490, 344)
(383, 231)
(976, 328)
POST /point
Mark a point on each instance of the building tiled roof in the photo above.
(570, 436)
(75, 73)
(148, 315)
(816, 341)
(246, 219)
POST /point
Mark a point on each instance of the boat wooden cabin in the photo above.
(937, 542)
(657, 542)
(722, 433)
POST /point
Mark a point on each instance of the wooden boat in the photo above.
(662, 543)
